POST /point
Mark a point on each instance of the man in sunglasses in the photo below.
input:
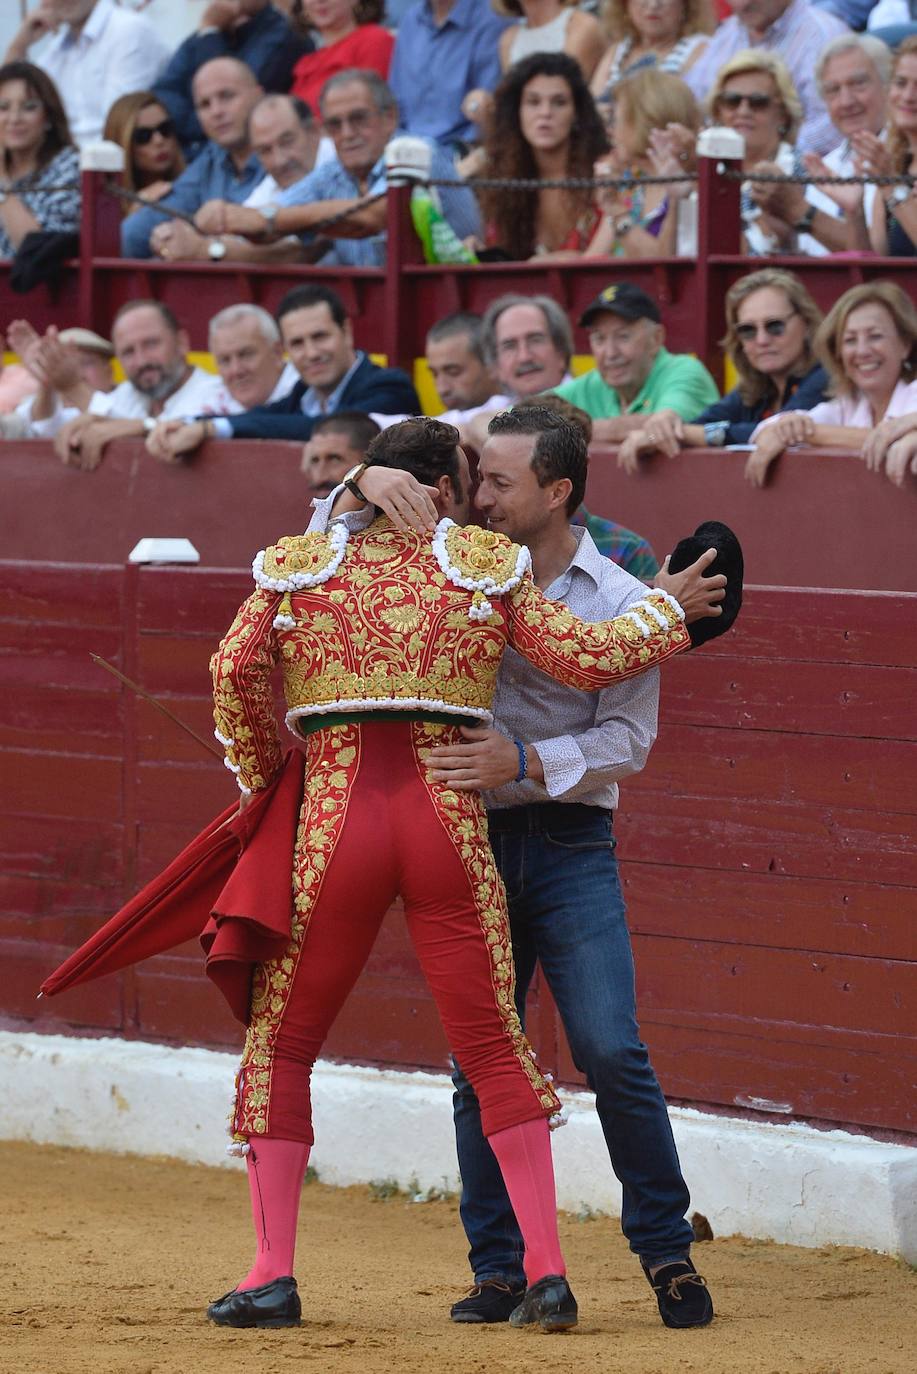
(360, 115)
(634, 372)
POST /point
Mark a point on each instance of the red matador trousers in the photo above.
(371, 827)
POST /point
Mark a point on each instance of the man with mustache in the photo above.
(338, 443)
(151, 346)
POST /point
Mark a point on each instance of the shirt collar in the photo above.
(586, 559)
(459, 16)
(781, 24)
(313, 405)
(637, 405)
(94, 25)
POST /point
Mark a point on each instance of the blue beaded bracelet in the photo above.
(523, 761)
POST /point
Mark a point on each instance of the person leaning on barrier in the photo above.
(853, 74)
(225, 92)
(634, 372)
(318, 339)
(868, 343)
(338, 443)
(360, 114)
(771, 322)
(151, 347)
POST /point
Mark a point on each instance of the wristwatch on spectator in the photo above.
(804, 224)
(623, 225)
(715, 433)
(350, 480)
(898, 196)
(269, 213)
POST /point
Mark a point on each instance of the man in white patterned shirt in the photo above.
(553, 841)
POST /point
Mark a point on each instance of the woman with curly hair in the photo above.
(669, 35)
(544, 125)
(140, 124)
(347, 33)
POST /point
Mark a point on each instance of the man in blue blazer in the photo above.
(318, 340)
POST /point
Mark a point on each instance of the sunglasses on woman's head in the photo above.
(755, 101)
(142, 136)
(747, 332)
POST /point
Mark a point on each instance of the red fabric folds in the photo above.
(231, 887)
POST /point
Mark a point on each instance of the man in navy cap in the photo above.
(634, 372)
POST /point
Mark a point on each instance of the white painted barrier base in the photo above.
(788, 1183)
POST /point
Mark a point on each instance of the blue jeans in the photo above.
(566, 911)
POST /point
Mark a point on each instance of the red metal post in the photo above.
(100, 237)
(403, 247)
(719, 228)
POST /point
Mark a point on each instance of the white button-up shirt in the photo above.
(115, 52)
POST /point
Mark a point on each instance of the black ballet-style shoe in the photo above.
(550, 1303)
(273, 1304)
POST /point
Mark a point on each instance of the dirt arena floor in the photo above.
(109, 1262)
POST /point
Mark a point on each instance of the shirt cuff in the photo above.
(52, 424)
(222, 429)
(562, 761)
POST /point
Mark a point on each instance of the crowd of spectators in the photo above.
(262, 139)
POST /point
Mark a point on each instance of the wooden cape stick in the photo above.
(115, 672)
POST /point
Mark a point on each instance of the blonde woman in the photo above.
(143, 127)
(655, 122)
(754, 94)
(868, 344)
(669, 35)
(771, 325)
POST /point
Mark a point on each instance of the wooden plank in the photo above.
(76, 847)
(865, 918)
(90, 1006)
(62, 721)
(799, 841)
(60, 784)
(86, 595)
(714, 763)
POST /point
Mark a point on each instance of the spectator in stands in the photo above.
(629, 550)
(225, 93)
(634, 373)
(668, 35)
(771, 322)
(151, 346)
(545, 124)
(285, 139)
(333, 376)
(338, 443)
(794, 31)
(99, 51)
(66, 368)
(446, 59)
(153, 159)
(754, 95)
(550, 26)
(252, 31)
(360, 113)
(462, 375)
(868, 343)
(885, 221)
(39, 161)
(16, 385)
(852, 75)
(656, 120)
(349, 34)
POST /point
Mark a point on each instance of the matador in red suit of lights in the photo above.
(387, 642)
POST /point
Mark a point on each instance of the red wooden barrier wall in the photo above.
(768, 851)
(823, 521)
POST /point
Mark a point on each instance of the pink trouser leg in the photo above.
(276, 1169)
(524, 1155)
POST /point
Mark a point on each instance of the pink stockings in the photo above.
(524, 1156)
(276, 1169)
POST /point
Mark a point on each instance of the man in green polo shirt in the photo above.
(634, 373)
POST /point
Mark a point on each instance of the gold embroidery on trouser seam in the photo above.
(332, 758)
(462, 817)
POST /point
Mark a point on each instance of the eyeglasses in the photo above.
(773, 328)
(141, 137)
(358, 120)
(755, 101)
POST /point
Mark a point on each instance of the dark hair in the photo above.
(42, 88)
(360, 429)
(560, 450)
(163, 310)
(463, 323)
(304, 297)
(559, 405)
(423, 447)
(513, 213)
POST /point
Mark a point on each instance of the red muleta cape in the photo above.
(231, 886)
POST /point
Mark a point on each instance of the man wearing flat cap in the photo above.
(634, 372)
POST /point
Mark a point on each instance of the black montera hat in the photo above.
(713, 534)
(624, 299)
